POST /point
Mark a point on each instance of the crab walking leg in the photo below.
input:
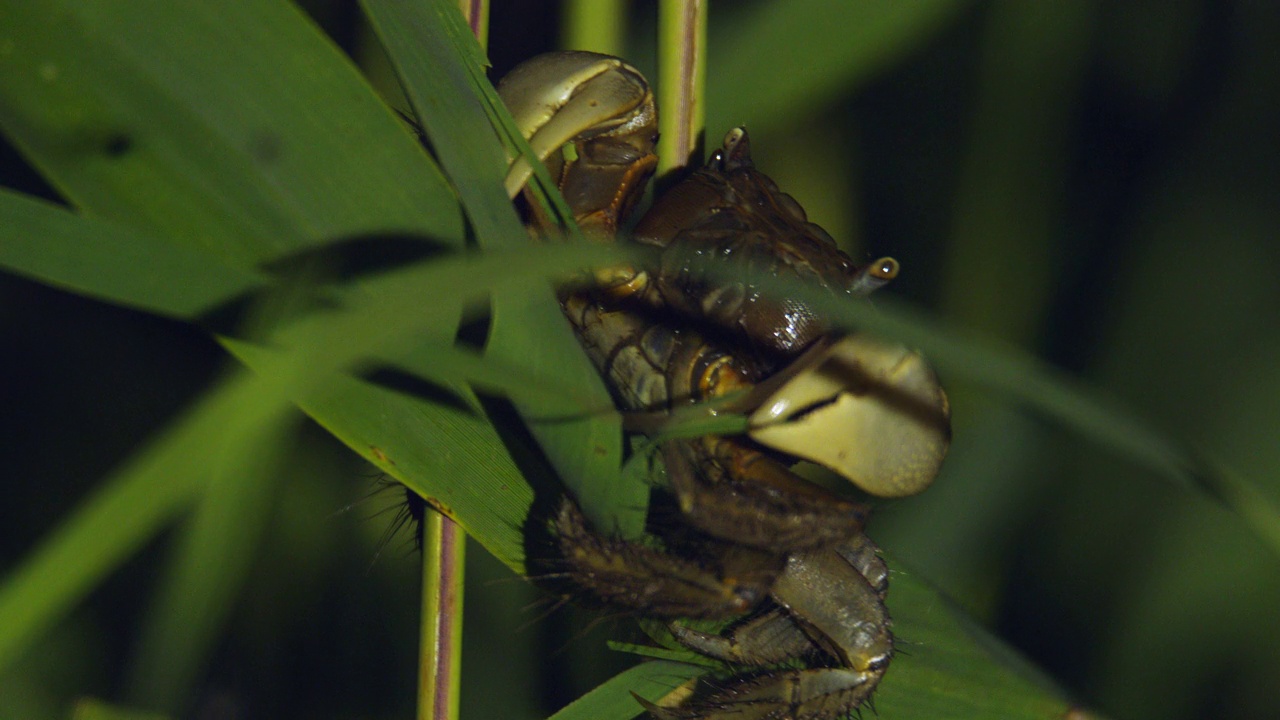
(838, 610)
(837, 607)
(821, 694)
(864, 556)
(734, 492)
(822, 596)
(763, 640)
(641, 579)
(797, 695)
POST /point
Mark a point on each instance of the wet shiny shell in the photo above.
(737, 214)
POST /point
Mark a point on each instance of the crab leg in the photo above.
(643, 580)
(766, 639)
(827, 602)
(737, 493)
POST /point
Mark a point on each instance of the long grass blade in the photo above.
(209, 564)
(114, 262)
(613, 701)
(129, 508)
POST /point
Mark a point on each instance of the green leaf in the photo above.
(130, 507)
(441, 68)
(948, 666)
(446, 451)
(91, 709)
(613, 701)
(845, 44)
(159, 114)
(209, 564)
(113, 262)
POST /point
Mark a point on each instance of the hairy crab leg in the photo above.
(766, 639)
(818, 694)
(841, 611)
(828, 603)
(734, 492)
(643, 580)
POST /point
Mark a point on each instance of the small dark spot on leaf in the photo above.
(117, 145)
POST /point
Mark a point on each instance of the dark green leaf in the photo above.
(440, 66)
(160, 114)
(115, 263)
(761, 75)
(130, 507)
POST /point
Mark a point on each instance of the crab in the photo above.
(784, 560)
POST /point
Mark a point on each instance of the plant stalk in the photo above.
(595, 25)
(476, 13)
(682, 76)
(440, 654)
(444, 546)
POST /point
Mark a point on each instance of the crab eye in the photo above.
(886, 268)
(873, 276)
(869, 410)
(736, 149)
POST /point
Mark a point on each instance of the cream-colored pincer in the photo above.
(558, 97)
(870, 410)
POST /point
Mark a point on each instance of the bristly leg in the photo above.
(830, 613)
(651, 582)
(815, 694)
(732, 491)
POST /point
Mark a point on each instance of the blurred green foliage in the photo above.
(1093, 182)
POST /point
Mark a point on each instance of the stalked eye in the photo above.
(886, 268)
(873, 276)
(736, 149)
